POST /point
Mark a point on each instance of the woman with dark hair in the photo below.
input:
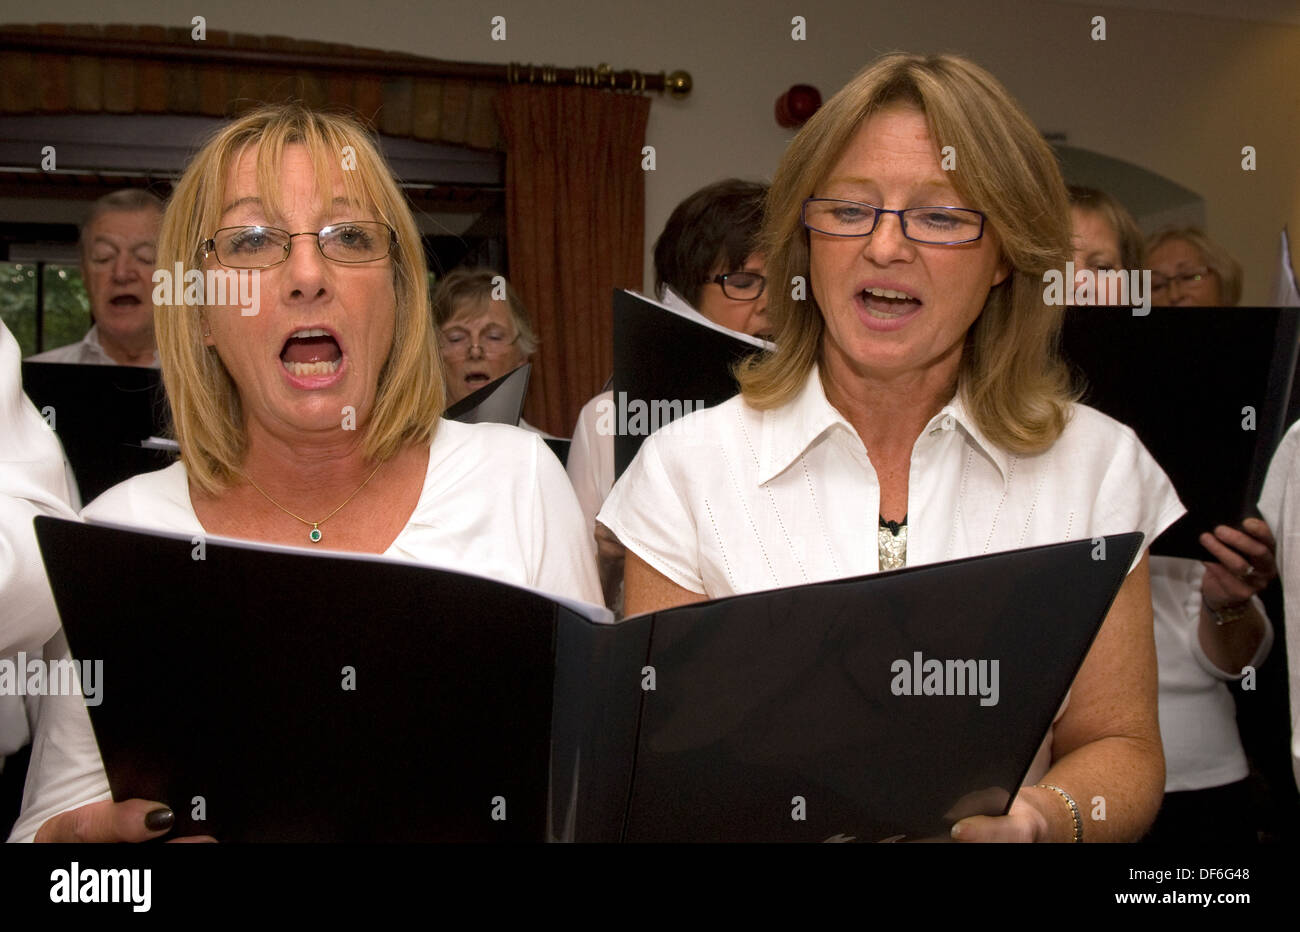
(706, 261)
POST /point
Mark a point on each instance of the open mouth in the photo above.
(125, 301)
(477, 379)
(311, 352)
(887, 304)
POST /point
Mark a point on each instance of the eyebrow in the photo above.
(257, 202)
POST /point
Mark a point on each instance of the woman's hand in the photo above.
(1024, 822)
(1231, 629)
(1245, 563)
(107, 821)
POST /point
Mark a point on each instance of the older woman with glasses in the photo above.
(1191, 270)
(314, 420)
(483, 331)
(914, 411)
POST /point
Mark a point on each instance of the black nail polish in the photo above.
(159, 819)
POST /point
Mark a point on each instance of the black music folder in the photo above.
(877, 708)
(667, 362)
(500, 401)
(102, 415)
(1206, 390)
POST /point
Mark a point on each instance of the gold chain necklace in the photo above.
(314, 535)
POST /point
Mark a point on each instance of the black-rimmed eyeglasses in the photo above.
(739, 286)
(934, 226)
(258, 247)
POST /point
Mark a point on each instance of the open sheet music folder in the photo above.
(1206, 389)
(482, 711)
(102, 414)
(668, 361)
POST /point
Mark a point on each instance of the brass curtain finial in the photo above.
(678, 84)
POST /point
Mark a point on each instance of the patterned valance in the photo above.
(63, 68)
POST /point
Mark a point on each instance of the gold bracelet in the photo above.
(1228, 614)
(1074, 809)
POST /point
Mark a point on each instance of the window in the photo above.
(43, 304)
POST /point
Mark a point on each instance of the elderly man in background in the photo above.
(119, 241)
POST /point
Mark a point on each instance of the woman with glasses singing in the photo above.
(914, 411)
(1191, 270)
(483, 331)
(314, 420)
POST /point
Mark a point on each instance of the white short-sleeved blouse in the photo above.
(495, 502)
(1279, 503)
(732, 499)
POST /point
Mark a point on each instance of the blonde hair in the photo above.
(468, 287)
(1217, 259)
(206, 410)
(1011, 376)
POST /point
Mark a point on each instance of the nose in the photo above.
(304, 269)
(1175, 291)
(124, 267)
(886, 243)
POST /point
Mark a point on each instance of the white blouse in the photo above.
(591, 459)
(732, 499)
(495, 502)
(1198, 716)
(1279, 503)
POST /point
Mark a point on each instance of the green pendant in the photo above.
(314, 535)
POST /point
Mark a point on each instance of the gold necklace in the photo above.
(314, 535)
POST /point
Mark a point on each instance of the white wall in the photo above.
(1176, 93)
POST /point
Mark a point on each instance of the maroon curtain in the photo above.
(575, 221)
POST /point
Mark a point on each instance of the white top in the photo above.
(88, 351)
(1279, 503)
(591, 458)
(33, 481)
(1198, 717)
(495, 502)
(732, 499)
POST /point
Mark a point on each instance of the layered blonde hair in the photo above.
(1011, 376)
(206, 410)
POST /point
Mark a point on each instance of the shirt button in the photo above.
(947, 422)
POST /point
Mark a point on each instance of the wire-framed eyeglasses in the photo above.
(259, 247)
(934, 226)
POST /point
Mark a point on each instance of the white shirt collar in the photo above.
(92, 344)
(792, 428)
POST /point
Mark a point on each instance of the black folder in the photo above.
(772, 716)
(102, 414)
(1183, 379)
(500, 401)
(667, 364)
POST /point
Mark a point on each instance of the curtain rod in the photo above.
(678, 83)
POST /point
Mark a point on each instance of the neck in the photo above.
(888, 409)
(137, 350)
(305, 474)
